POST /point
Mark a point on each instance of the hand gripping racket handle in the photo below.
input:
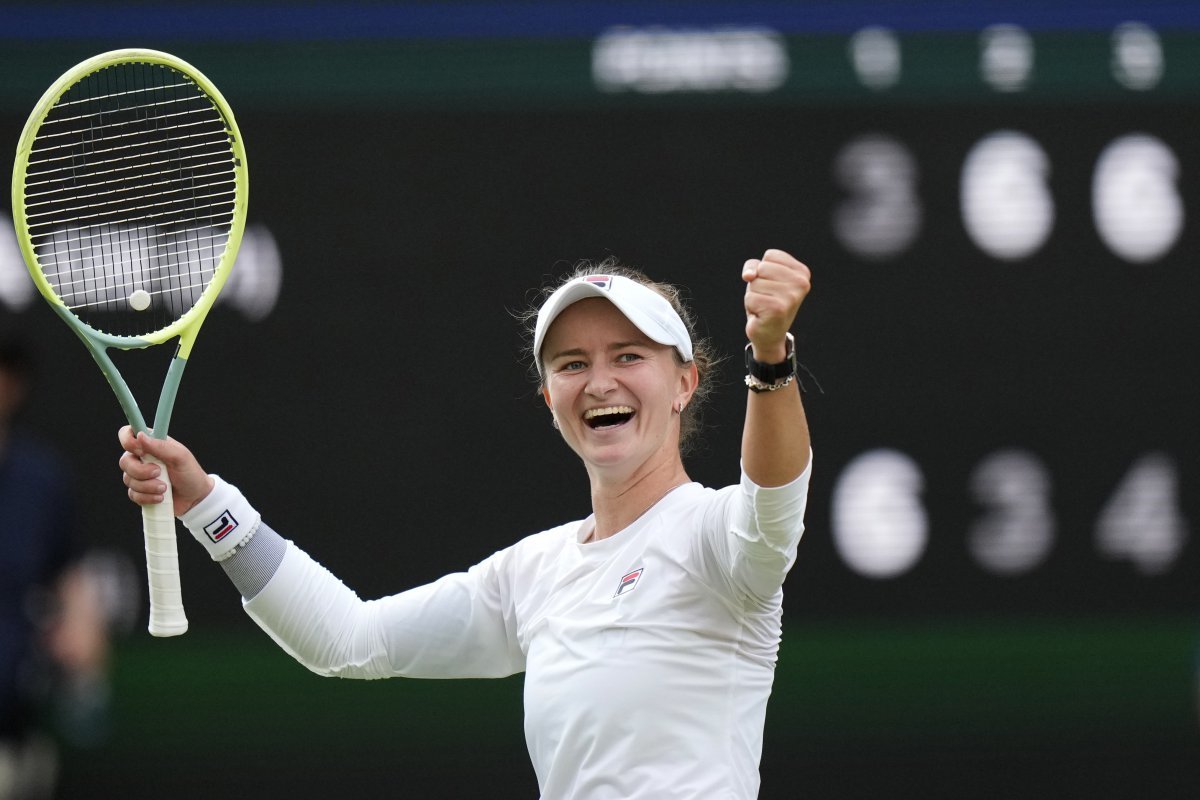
(162, 564)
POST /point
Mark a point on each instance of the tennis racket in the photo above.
(129, 200)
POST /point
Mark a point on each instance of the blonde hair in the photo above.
(703, 355)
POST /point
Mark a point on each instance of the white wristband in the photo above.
(221, 521)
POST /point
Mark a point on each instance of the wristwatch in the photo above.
(762, 377)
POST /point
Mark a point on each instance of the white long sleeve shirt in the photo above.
(649, 656)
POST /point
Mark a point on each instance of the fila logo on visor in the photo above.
(221, 527)
(628, 582)
(599, 281)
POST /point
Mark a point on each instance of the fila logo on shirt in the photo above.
(629, 582)
(221, 527)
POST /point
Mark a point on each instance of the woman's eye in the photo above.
(626, 358)
(572, 366)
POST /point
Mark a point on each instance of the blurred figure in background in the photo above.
(53, 629)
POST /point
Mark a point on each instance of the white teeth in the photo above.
(602, 412)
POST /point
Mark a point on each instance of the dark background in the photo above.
(381, 415)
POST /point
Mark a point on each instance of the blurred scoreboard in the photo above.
(999, 204)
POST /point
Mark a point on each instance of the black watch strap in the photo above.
(772, 373)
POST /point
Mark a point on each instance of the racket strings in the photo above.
(83, 294)
(131, 188)
(168, 246)
(90, 99)
(53, 201)
(67, 169)
(168, 294)
(77, 249)
(50, 125)
(154, 202)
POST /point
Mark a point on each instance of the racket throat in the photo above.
(166, 398)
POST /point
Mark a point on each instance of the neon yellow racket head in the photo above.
(129, 196)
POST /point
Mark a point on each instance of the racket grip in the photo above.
(162, 564)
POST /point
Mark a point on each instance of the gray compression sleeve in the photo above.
(255, 562)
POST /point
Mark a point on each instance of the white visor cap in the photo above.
(649, 311)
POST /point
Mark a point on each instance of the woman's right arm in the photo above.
(456, 627)
(459, 626)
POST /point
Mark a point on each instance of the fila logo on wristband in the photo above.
(221, 527)
(628, 582)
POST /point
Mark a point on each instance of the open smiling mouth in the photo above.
(611, 417)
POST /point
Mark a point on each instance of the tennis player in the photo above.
(648, 632)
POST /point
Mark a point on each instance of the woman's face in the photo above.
(612, 390)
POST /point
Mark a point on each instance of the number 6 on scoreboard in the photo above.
(129, 199)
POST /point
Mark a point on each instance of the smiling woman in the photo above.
(617, 395)
(703, 355)
(648, 630)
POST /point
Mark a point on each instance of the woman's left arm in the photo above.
(775, 442)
